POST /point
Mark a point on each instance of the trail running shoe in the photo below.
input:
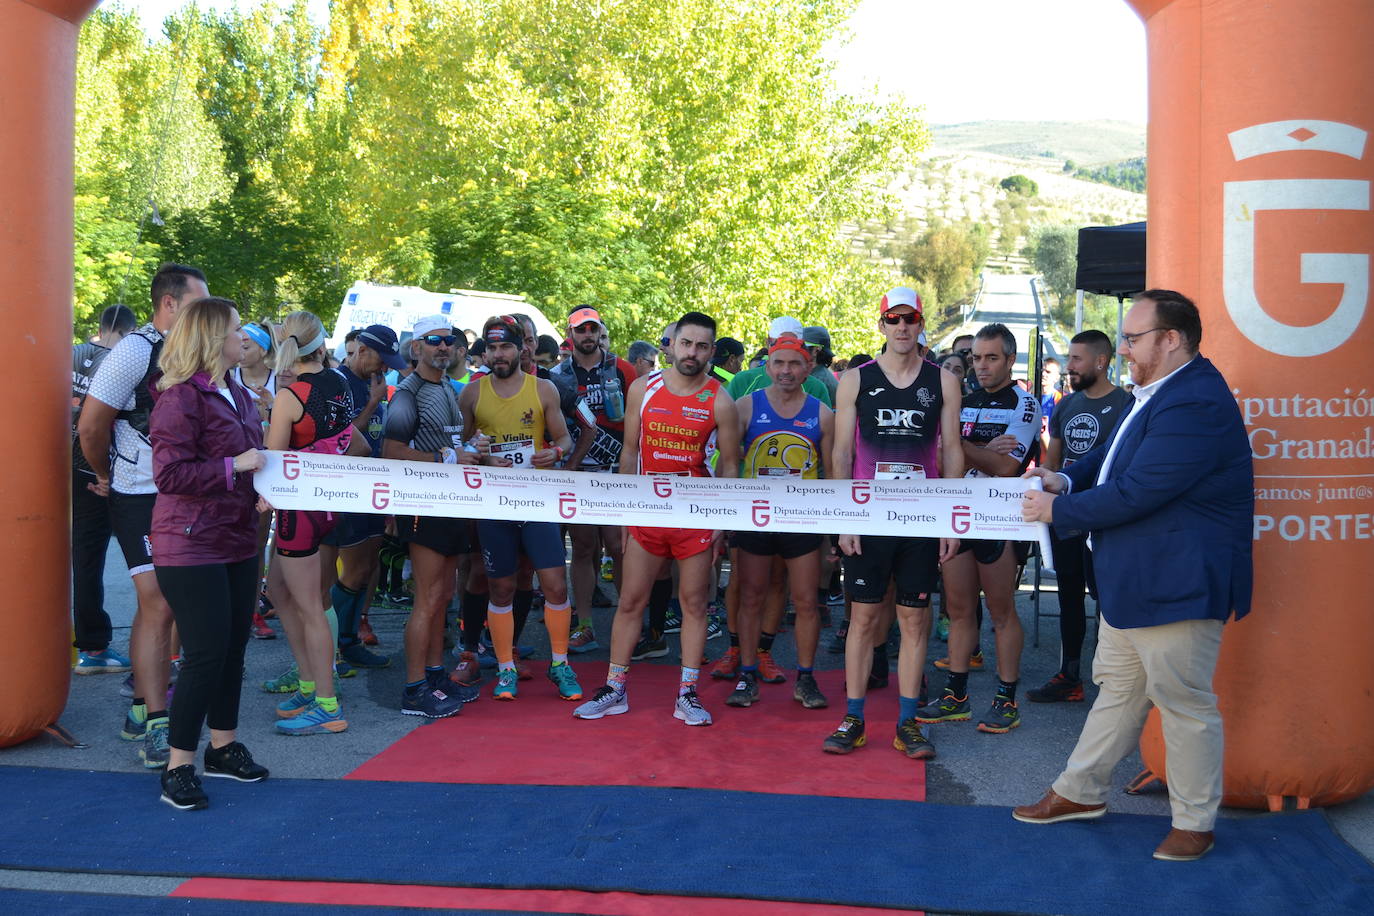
(1059, 689)
(359, 656)
(443, 681)
(582, 640)
(746, 692)
(259, 628)
(911, 740)
(314, 721)
(182, 790)
(1001, 718)
(727, 668)
(155, 750)
(134, 728)
(808, 693)
(294, 705)
(467, 673)
(342, 668)
(563, 676)
(522, 670)
(948, 708)
(286, 682)
(365, 634)
(430, 702)
(690, 710)
(605, 702)
(107, 661)
(846, 738)
(975, 662)
(769, 672)
(233, 762)
(506, 684)
(651, 645)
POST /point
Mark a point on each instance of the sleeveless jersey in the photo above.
(676, 431)
(777, 446)
(898, 430)
(515, 424)
(326, 426)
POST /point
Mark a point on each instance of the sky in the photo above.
(966, 60)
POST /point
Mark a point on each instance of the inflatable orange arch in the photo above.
(1259, 208)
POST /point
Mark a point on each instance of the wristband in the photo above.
(559, 450)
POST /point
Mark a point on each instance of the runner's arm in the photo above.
(95, 429)
(951, 446)
(1054, 454)
(827, 440)
(727, 436)
(555, 427)
(402, 420)
(842, 450)
(285, 412)
(629, 455)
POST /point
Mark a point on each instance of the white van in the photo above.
(399, 307)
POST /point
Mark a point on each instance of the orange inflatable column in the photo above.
(1261, 167)
(37, 57)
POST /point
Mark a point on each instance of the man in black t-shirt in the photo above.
(1081, 422)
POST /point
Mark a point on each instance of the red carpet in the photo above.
(474, 898)
(773, 746)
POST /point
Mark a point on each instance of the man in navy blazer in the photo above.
(1168, 503)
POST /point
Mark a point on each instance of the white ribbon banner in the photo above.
(966, 507)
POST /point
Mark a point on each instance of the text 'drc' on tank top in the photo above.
(515, 424)
(898, 429)
(676, 431)
(777, 446)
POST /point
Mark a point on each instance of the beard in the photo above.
(1083, 381)
(587, 347)
(689, 367)
(439, 361)
(503, 369)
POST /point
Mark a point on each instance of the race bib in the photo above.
(519, 451)
(778, 472)
(896, 470)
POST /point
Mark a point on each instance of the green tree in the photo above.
(948, 259)
(1019, 185)
(1054, 252)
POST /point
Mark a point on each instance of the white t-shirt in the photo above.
(131, 455)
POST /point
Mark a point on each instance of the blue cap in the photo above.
(382, 339)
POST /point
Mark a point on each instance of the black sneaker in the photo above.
(912, 741)
(233, 762)
(673, 622)
(746, 691)
(653, 645)
(948, 708)
(360, 656)
(181, 788)
(836, 644)
(430, 702)
(847, 737)
(444, 683)
(1059, 689)
(807, 693)
(1001, 718)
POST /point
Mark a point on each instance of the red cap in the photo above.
(583, 315)
(788, 343)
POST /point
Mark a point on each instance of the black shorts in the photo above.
(985, 552)
(446, 536)
(504, 542)
(131, 519)
(352, 528)
(913, 562)
(786, 544)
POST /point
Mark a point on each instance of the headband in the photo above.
(788, 343)
(306, 349)
(259, 336)
(504, 333)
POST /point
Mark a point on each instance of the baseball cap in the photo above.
(788, 343)
(784, 324)
(431, 323)
(382, 339)
(583, 314)
(900, 295)
(728, 346)
(816, 336)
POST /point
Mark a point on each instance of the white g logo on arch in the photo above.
(1242, 202)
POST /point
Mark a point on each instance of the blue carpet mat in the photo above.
(676, 841)
(73, 903)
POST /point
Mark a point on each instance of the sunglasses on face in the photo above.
(906, 318)
(434, 340)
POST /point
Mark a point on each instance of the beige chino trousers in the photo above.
(1169, 666)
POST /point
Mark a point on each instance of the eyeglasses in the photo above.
(904, 318)
(434, 340)
(1130, 339)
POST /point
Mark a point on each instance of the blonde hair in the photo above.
(296, 332)
(196, 340)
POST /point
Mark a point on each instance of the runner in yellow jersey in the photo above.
(520, 413)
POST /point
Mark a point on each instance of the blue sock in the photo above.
(414, 685)
(751, 668)
(908, 707)
(854, 707)
(801, 670)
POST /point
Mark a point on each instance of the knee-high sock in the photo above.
(474, 618)
(558, 621)
(659, 595)
(501, 622)
(523, 602)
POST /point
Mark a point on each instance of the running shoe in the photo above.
(314, 721)
(107, 661)
(259, 628)
(582, 640)
(485, 657)
(286, 682)
(182, 790)
(126, 687)
(359, 656)
(650, 646)
(134, 728)
(836, 644)
(522, 670)
(942, 628)
(727, 668)
(1059, 689)
(848, 737)
(975, 662)
(746, 692)
(715, 627)
(265, 605)
(467, 673)
(605, 702)
(948, 708)
(673, 622)
(808, 693)
(1001, 718)
(565, 679)
(769, 672)
(400, 599)
(155, 750)
(911, 740)
(506, 688)
(294, 705)
(365, 634)
(342, 668)
(430, 702)
(442, 681)
(233, 762)
(690, 710)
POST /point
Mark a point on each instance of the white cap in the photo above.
(431, 323)
(784, 325)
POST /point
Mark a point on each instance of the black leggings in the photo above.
(213, 606)
(1073, 567)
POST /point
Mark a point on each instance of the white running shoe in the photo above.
(690, 710)
(605, 702)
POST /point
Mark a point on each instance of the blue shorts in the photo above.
(352, 528)
(503, 542)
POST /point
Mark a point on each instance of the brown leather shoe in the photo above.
(1054, 808)
(1185, 845)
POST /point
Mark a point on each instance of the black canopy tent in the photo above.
(1111, 260)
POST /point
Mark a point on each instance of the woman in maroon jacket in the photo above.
(206, 437)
